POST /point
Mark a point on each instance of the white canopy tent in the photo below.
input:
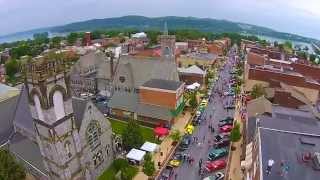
(197, 85)
(191, 87)
(149, 147)
(136, 154)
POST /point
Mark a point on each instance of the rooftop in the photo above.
(163, 84)
(201, 56)
(288, 147)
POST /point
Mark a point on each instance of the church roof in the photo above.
(29, 152)
(79, 106)
(194, 69)
(7, 111)
(163, 84)
(23, 118)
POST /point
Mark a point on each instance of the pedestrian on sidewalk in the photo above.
(176, 176)
(269, 166)
(204, 138)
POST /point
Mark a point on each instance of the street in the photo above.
(215, 108)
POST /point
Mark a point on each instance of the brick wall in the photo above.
(160, 98)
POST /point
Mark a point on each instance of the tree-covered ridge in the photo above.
(201, 24)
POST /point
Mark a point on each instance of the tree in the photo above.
(148, 165)
(55, 42)
(72, 38)
(235, 134)
(312, 57)
(257, 91)
(131, 136)
(175, 135)
(12, 67)
(40, 38)
(193, 100)
(9, 168)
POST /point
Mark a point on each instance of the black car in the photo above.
(185, 143)
(229, 107)
(222, 143)
(167, 173)
(221, 137)
(226, 119)
(223, 123)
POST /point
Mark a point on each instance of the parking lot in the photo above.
(202, 139)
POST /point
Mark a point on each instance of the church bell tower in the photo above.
(50, 103)
(168, 44)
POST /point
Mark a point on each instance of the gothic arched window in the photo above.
(58, 105)
(167, 51)
(93, 135)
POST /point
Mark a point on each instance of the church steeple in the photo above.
(165, 31)
(167, 44)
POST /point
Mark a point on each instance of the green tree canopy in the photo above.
(257, 91)
(72, 38)
(12, 67)
(9, 168)
(131, 136)
(235, 134)
(193, 100)
(148, 165)
(175, 135)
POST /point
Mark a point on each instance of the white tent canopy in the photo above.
(149, 147)
(136, 154)
(196, 84)
(191, 87)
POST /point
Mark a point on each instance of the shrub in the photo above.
(120, 164)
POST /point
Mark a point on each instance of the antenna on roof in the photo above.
(165, 31)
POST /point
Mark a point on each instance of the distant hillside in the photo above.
(202, 24)
(144, 23)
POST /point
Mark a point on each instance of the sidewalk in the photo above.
(234, 171)
(166, 146)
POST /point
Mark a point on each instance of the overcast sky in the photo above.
(294, 16)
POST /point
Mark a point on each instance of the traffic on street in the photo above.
(203, 154)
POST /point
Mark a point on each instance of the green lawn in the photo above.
(110, 173)
(119, 126)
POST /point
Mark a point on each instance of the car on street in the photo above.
(215, 154)
(227, 119)
(175, 162)
(221, 136)
(216, 176)
(222, 143)
(229, 106)
(226, 128)
(211, 166)
(167, 173)
(185, 143)
(223, 123)
(204, 103)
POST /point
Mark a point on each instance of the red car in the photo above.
(215, 165)
(226, 128)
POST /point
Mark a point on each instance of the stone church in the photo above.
(57, 136)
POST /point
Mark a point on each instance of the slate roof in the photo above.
(194, 69)
(23, 118)
(143, 69)
(154, 111)
(7, 111)
(79, 106)
(27, 150)
(163, 84)
(125, 101)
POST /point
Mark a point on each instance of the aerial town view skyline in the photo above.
(160, 90)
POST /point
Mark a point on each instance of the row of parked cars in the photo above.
(215, 160)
